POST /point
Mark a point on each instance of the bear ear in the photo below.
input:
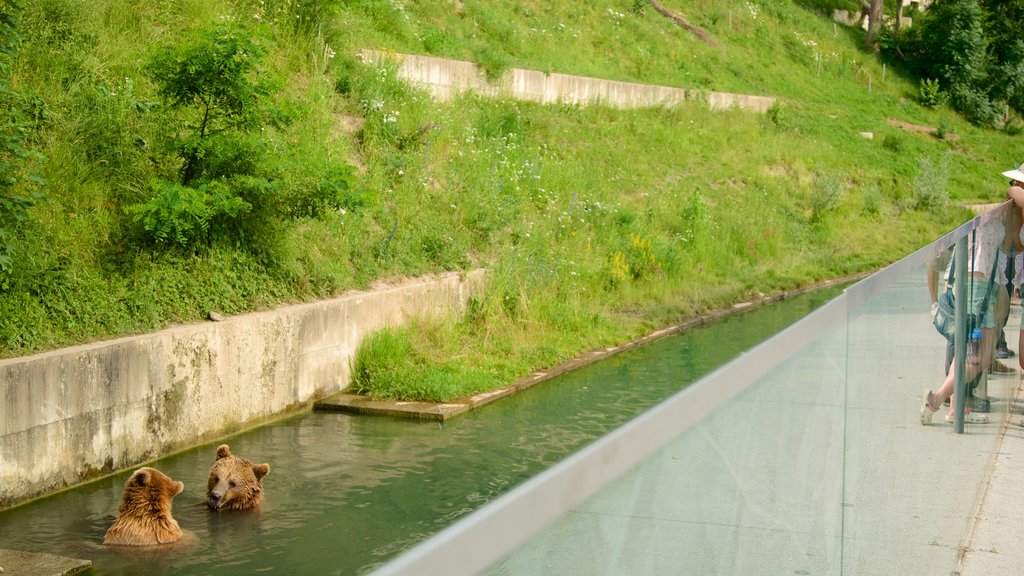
(260, 470)
(140, 477)
(223, 452)
(179, 488)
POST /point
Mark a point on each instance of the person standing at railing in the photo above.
(990, 238)
(1016, 193)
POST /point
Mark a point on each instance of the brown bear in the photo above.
(144, 516)
(235, 483)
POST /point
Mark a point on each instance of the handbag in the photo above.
(945, 314)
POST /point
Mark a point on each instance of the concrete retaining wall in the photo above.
(445, 79)
(72, 414)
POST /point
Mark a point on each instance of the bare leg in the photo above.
(935, 400)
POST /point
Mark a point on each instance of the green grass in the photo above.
(597, 224)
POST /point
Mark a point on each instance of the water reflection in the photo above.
(348, 493)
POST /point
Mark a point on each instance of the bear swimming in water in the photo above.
(235, 483)
(144, 516)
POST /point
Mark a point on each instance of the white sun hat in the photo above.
(1015, 174)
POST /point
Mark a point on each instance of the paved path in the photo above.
(996, 540)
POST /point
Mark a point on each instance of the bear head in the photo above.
(235, 483)
(144, 516)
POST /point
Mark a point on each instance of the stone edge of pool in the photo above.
(16, 562)
(440, 412)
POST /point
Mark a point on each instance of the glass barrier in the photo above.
(816, 452)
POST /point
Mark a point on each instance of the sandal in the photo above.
(926, 408)
(969, 418)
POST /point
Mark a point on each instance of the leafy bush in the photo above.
(930, 94)
(186, 217)
(695, 215)
(334, 190)
(872, 199)
(976, 106)
(633, 261)
(213, 79)
(893, 143)
(830, 189)
(930, 191)
(777, 115)
(493, 62)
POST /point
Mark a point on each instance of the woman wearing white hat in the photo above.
(1016, 193)
(992, 237)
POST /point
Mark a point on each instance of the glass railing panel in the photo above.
(753, 488)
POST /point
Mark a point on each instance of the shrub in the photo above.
(213, 79)
(829, 191)
(871, 199)
(930, 94)
(633, 261)
(777, 115)
(695, 215)
(184, 216)
(930, 190)
(893, 143)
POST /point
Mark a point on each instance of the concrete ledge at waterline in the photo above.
(445, 79)
(356, 404)
(18, 563)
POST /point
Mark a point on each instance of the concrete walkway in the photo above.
(996, 542)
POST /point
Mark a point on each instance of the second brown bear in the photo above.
(144, 516)
(235, 483)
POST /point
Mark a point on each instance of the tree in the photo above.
(873, 11)
(955, 51)
(1006, 50)
(214, 78)
(229, 190)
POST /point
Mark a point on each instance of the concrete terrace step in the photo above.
(445, 78)
(18, 563)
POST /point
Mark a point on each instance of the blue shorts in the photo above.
(989, 319)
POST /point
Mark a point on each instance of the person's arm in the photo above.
(1016, 193)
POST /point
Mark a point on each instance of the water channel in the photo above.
(347, 493)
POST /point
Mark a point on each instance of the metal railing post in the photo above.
(960, 336)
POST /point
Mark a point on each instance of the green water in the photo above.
(347, 493)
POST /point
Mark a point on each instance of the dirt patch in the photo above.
(921, 129)
(348, 124)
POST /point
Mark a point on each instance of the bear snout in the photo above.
(215, 500)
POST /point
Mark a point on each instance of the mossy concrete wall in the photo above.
(445, 78)
(72, 414)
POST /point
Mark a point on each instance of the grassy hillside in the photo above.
(598, 224)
